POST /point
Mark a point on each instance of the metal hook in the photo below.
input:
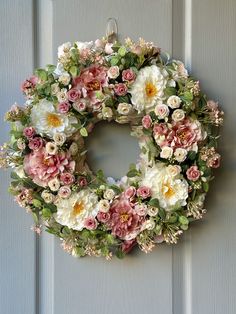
(112, 30)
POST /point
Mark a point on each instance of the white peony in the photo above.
(73, 211)
(47, 121)
(148, 88)
(171, 191)
(64, 48)
(84, 45)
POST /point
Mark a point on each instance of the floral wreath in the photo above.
(176, 126)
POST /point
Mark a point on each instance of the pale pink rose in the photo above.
(36, 143)
(103, 217)
(162, 111)
(124, 220)
(120, 89)
(130, 192)
(67, 178)
(79, 105)
(63, 107)
(83, 182)
(141, 209)
(90, 223)
(144, 192)
(193, 173)
(113, 72)
(73, 94)
(108, 48)
(99, 43)
(128, 245)
(64, 192)
(147, 121)
(42, 167)
(214, 161)
(128, 75)
(29, 132)
(137, 50)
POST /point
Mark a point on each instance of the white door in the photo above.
(197, 276)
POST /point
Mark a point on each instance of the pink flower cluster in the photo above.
(28, 85)
(42, 167)
(183, 134)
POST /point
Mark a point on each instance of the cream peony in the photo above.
(72, 212)
(171, 191)
(148, 88)
(47, 121)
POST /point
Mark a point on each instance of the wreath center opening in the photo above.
(112, 149)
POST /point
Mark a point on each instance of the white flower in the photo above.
(55, 88)
(124, 108)
(51, 148)
(180, 70)
(162, 111)
(73, 211)
(47, 197)
(20, 172)
(173, 102)
(147, 88)
(21, 143)
(64, 191)
(107, 112)
(64, 78)
(166, 152)
(148, 224)
(178, 115)
(171, 83)
(109, 194)
(113, 72)
(73, 149)
(173, 170)
(64, 48)
(152, 211)
(84, 45)
(47, 121)
(104, 206)
(62, 95)
(54, 184)
(59, 138)
(171, 192)
(180, 154)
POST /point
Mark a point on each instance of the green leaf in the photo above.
(169, 91)
(51, 68)
(192, 155)
(42, 74)
(162, 213)
(14, 176)
(188, 96)
(183, 220)
(46, 213)
(120, 254)
(184, 227)
(122, 51)
(154, 202)
(132, 173)
(83, 132)
(114, 61)
(73, 70)
(36, 203)
(205, 186)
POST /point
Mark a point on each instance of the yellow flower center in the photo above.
(124, 217)
(150, 90)
(167, 190)
(78, 208)
(53, 120)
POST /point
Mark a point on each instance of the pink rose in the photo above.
(130, 192)
(29, 132)
(73, 94)
(36, 143)
(28, 85)
(83, 182)
(128, 245)
(144, 192)
(67, 178)
(63, 107)
(193, 173)
(128, 75)
(90, 223)
(162, 111)
(103, 217)
(120, 89)
(108, 48)
(64, 191)
(146, 121)
(79, 105)
(141, 209)
(113, 72)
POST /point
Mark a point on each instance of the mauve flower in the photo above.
(124, 221)
(120, 89)
(42, 167)
(82, 182)
(130, 192)
(36, 143)
(214, 161)
(128, 75)
(146, 122)
(144, 192)
(29, 132)
(193, 173)
(113, 72)
(64, 192)
(63, 107)
(90, 223)
(103, 217)
(128, 245)
(67, 178)
(161, 111)
(28, 85)
(73, 94)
